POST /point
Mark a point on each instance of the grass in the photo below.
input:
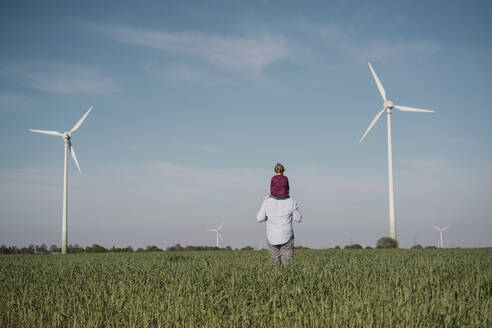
(323, 288)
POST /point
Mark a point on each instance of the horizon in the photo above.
(213, 248)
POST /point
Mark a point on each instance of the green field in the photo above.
(323, 288)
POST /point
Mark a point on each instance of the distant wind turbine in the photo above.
(67, 136)
(387, 107)
(218, 233)
(441, 230)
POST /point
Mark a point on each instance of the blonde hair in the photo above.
(279, 168)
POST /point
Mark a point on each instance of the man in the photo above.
(278, 214)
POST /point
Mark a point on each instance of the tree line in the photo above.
(384, 242)
(96, 248)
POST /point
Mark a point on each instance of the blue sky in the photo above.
(196, 101)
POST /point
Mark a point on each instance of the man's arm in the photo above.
(261, 216)
(296, 213)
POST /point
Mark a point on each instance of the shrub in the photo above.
(95, 249)
(417, 246)
(354, 246)
(74, 249)
(174, 248)
(153, 248)
(387, 242)
(42, 249)
(27, 250)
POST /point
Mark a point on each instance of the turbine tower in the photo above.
(441, 230)
(67, 136)
(218, 233)
(387, 108)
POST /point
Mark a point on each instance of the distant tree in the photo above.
(127, 249)
(386, 242)
(247, 248)
(430, 247)
(174, 248)
(31, 249)
(337, 247)
(42, 249)
(194, 248)
(353, 246)
(368, 247)
(95, 249)
(74, 249)
(54, 249)
(417, 246)
(28, 250)
(4, 249)
(140, 249)
(153, 248)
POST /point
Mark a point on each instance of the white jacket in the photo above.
(278, 214)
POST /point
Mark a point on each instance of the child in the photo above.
(279, 185)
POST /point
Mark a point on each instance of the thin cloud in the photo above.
(11, 100)
(183, 73)
(63, 78)
(378, 49)
(232, 53)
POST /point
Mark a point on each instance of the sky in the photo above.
(195, 102)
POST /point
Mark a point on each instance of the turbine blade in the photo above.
(444, 229)
(72, 151)
(211, 230)
(220, 236)
(436, 228)
(220, 227)
(378, 83)
(374, 121)
(79, 123)
(51, 133)
(413, 109)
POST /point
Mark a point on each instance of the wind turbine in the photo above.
(218, 233)
(441, 230)
(67, 136)
(387, 107)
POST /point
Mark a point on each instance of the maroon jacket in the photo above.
(279, 186)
